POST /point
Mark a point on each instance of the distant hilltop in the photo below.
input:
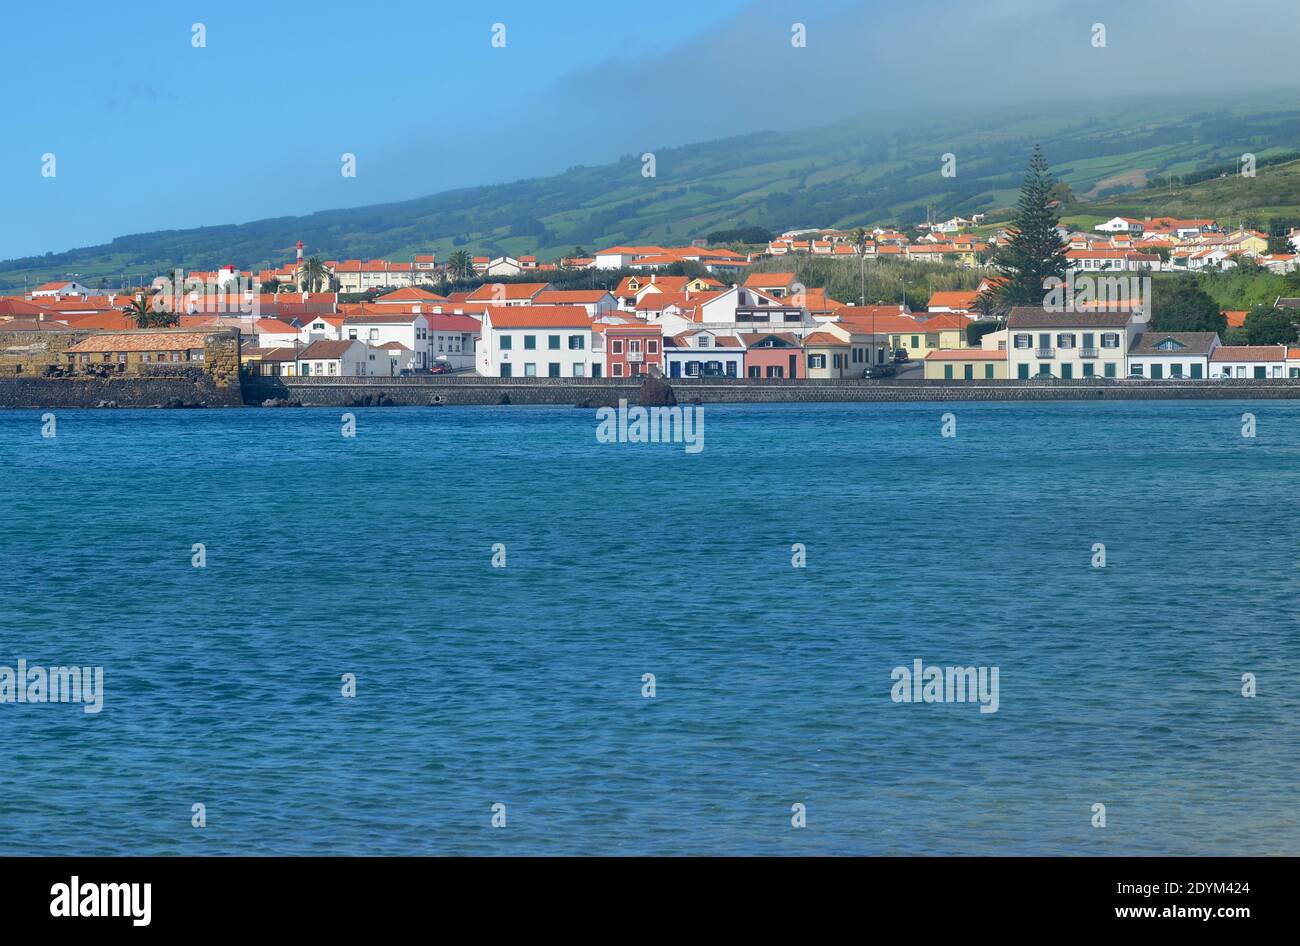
(730, 191)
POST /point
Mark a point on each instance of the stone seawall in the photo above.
(565, 392)
(470, 390)
(17, 393)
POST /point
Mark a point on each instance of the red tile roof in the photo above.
(527, 316)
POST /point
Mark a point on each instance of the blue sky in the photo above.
(150, 133)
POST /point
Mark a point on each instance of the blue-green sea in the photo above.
(522, 685)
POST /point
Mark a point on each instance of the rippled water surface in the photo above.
(522, 685)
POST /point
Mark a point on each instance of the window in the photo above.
(1044, 371)
(1110, 340)
(618, 369)
(552, 343)
(816, 361)
(755, 372)
(530, 369)
(1065, 340)
(1135, 370)
(596, 370)
(579, 370)
(947, 372)
(634, 345)
(505, 371)
(916, 342)
(1169, 344)
(616, 346)
(1110, 369)
(1024, 341)
(652, 347)
(530, 342)
(352, 333)
(1022, 372)
(988, 371)
(1176, 371)
(553, 370)
(703, 341)
(506, 343)
(1260, 372)
(1196, 369)
(1067, 371)
(576, 343)
(969, 372)
(1087, 369)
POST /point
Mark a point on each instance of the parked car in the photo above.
(405, 373)
(439, 369)
(900, 356)
(883, 370)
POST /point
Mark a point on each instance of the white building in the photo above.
(272, 333)
(596, 301)
(410, 329)
(1069, 345)
(1120, 225)
(60, 289)
(1159, 355)
(1248, 361)
(452, 340)
(535, 342)
(702, 353)
(340, 358)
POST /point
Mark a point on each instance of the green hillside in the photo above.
(1274, 191)
(850, 173)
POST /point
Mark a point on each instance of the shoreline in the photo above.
(475, 391)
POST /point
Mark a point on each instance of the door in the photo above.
(674, 369)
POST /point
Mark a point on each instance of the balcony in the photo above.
(1044, 352)
(635, 357)
(1087, 353)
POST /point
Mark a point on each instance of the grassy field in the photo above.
(842, 175)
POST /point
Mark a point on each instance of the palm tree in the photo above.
(145, 315)
(141, 311)
(460, 264)
(313, 273)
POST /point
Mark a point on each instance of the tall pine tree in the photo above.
(1035, 251)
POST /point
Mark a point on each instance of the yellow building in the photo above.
(967, 364)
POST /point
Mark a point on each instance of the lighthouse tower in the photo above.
(300, 252)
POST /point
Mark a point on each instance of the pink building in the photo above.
(631, 348)
(773, 355)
